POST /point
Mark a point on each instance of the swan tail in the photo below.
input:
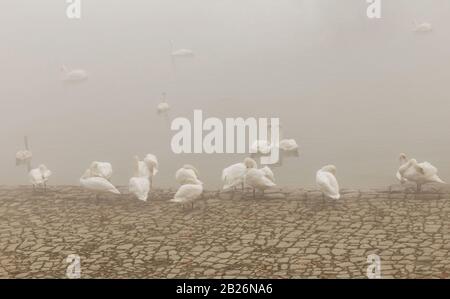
(439, 180)
(336, 196)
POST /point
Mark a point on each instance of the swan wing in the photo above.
(328, 184)
(140, 187)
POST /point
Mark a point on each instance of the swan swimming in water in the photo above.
(188, 193)
(260, 179)
(234, 175)
(420, 173)
(327, 182)
(97, 184)
(423, 27)
(188, 174)
(39, 176)
(75, 75)
(139, 185)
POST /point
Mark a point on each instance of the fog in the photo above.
(352, 91)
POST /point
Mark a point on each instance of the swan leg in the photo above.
(254, 193)
(242, 187)
(262, 194)
(192, 204)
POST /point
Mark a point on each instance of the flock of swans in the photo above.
(97, 177)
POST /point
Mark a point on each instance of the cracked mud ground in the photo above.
(292, 233)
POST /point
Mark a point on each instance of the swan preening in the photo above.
(234, 175)
(97, 184)
(419, 173)
(39, 176)
(188, 193)
(101, 169)
(75, 75)
(260, 179)
(327, 183)
(188, 174)
(139, 184)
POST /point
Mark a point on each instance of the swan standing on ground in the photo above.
(74, 75)
(101, 169)
(152, 163)
(258, 178)
(327, 182)
(188, 174)
(97, 184)
(420, 173)
(234, 175)
(188, 193)
(39, 176)
(403, 161)
(139, 185)
(422, 27)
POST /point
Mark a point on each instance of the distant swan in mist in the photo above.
(152, 163)
(23, 157)
(327, 182)
(75, 75)
(163, 107)
(139, 185)
(188, 193)
(188, 174)
(234, 175)
(179, 53)
(39, 176)
(97, 184)
(261, 147)
(423, 27)
(260, 179)
(101, 169)
(289, 147)
(420, 173)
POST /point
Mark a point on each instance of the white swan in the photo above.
(188, 193)
(23, 157)
(152, 163)
(97, 184)
(423, 27)
(268, 173)
(188, 174)
(403, 161)
(234, 175)
(39, 176)
(289, 146)
(420, 173)
(163, 107)
(101, 169)
(327, 182)
(258, 178)
(75, 75)
(139, 185)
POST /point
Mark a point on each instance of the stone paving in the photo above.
(291, 233)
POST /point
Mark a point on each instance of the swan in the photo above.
(188, 194)
(268, 173)
(261, 147)
(163, 107)
(420, 173)
(23, 157)
(188, 174)
(234, 175)
(152, 163)
(258, 178)
(97, 184)
(422, 27)
(403, 161)
(101, 169)
(39, 176)
(327, 182)
(289, 146)
(74, 75)
(139, 185)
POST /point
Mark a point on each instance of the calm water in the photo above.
(352, 91)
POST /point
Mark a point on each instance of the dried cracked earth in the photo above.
(291, 233)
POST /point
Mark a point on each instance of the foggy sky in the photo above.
(352, 91)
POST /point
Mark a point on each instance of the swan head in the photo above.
(329, 168)
(250, 163)
(402, 158)
(86, 174)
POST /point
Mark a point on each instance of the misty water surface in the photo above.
(352, 91)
